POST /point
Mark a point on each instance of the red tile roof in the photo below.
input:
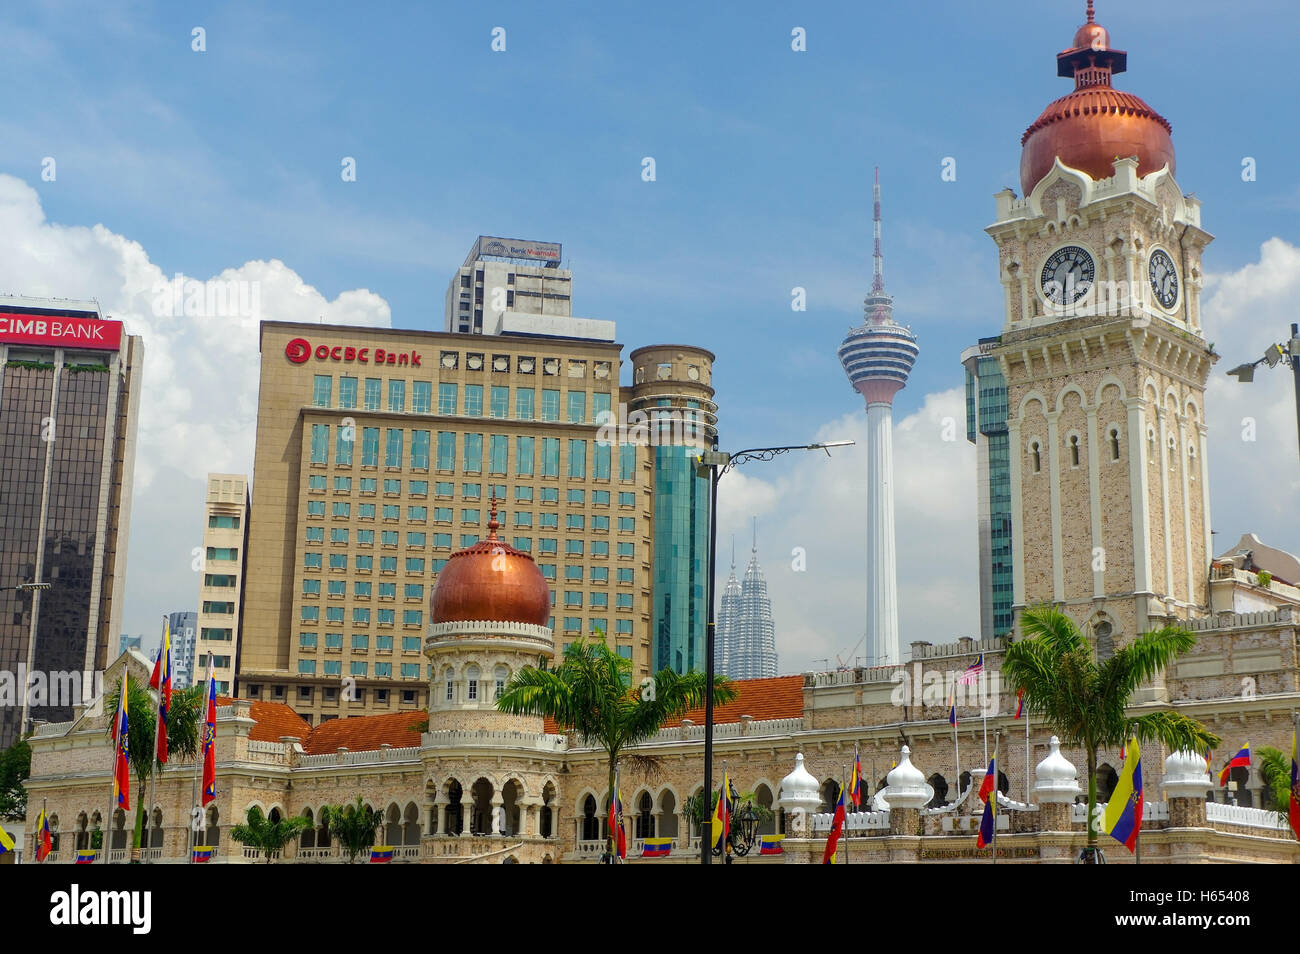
(362, 733)
(274, 719)
(780, 697)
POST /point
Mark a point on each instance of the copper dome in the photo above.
(491, 581)
(1095, 124)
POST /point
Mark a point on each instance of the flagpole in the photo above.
(106, 829)
(194, 797)
(844, 774)
(993, 842)
(45, 820)
(153, 756)
(984, 714)
(1025, 713)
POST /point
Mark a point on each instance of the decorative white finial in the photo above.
(905, 785)
(1057, 778)
(799, 789)
(1186, 775)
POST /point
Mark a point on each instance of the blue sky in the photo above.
(763, 156)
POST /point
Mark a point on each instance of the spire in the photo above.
(493, 526)
(878, 306)
(1091, 13)
(878, 260)
(733, 554)
(754, 548)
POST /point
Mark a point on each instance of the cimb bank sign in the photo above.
(60, 331)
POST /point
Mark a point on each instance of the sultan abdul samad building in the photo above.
(1106, 362)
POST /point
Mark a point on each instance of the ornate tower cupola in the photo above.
(488, 616)
(1091, 127)
(1104, 359)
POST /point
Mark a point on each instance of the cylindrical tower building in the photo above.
(672, 396)
(878, 356)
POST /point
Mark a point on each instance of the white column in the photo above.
(1184, 442)
(1054, 475)
(1137, 488)
(1094, 501)
(1163, 416)
(1202, 448)
(882, 574)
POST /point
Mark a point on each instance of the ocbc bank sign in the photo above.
(299, 351)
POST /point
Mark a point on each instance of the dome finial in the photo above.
(1091, 13)
(493, 526)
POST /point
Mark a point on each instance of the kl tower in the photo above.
(878, 356)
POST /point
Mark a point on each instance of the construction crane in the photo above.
(841, 665)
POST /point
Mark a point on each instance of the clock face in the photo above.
(1068, 275)
(1163, 278)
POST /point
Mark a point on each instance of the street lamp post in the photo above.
(714, 464)
(1276, 353)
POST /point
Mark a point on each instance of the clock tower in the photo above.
(1105, 360)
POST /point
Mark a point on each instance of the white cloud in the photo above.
(198, 409)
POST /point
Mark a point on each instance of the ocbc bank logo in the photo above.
(298, 350)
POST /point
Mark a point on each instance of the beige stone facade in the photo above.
(1106, 400)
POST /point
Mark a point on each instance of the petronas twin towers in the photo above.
(746, 639)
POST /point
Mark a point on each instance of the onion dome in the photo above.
(491, 581)
(1096, 124)
(1057, 780)
(905, 786)
(1187, 775)
(799, 789)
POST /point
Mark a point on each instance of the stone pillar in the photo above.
(497, 815)
(442, 819)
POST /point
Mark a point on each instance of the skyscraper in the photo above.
(69, 400)
(184, 627)
(746, 639)
(986, 428)
(878, 356)
(222, 582)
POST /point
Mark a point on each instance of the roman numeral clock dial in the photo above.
(1067, 275)
(1163, 278)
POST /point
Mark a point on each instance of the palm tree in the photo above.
(590, 692)
(353, 826)
(268, 836)
(142, 715)
(1083, 699)
(1275, 770)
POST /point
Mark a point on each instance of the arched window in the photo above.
(449, 676)
(1107, 779)
(830, 795)
(590, 822)
(1105, 640)
(1114, 443)
(545, 816)
(156, 829)
(645, 818)
(1038, 457)
(471, 684)
(308, 839)
(214, 827)
(667, 815)
(1173, 453)
(500, 675)
(763, 798)
(1074, 450)
(54, 833)
(1191, 461)
(940, 786)
(455, 811)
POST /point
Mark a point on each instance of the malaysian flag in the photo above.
(972, 673)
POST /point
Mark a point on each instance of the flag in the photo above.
(837, 827)
(122, 752)
(952, 706)
(855, 780)
(656, 847)
(1293, 810)
(162, 681)
(1123, 818)
(770, 844)
(44, 844)
(381, 854)
(85, 856)
(616, 823)
(203, 854)
(210, 742)
(989, 796)
(1020, 703)
(1240, 760)
(972, 673)
(6, 841)
(722, 814)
